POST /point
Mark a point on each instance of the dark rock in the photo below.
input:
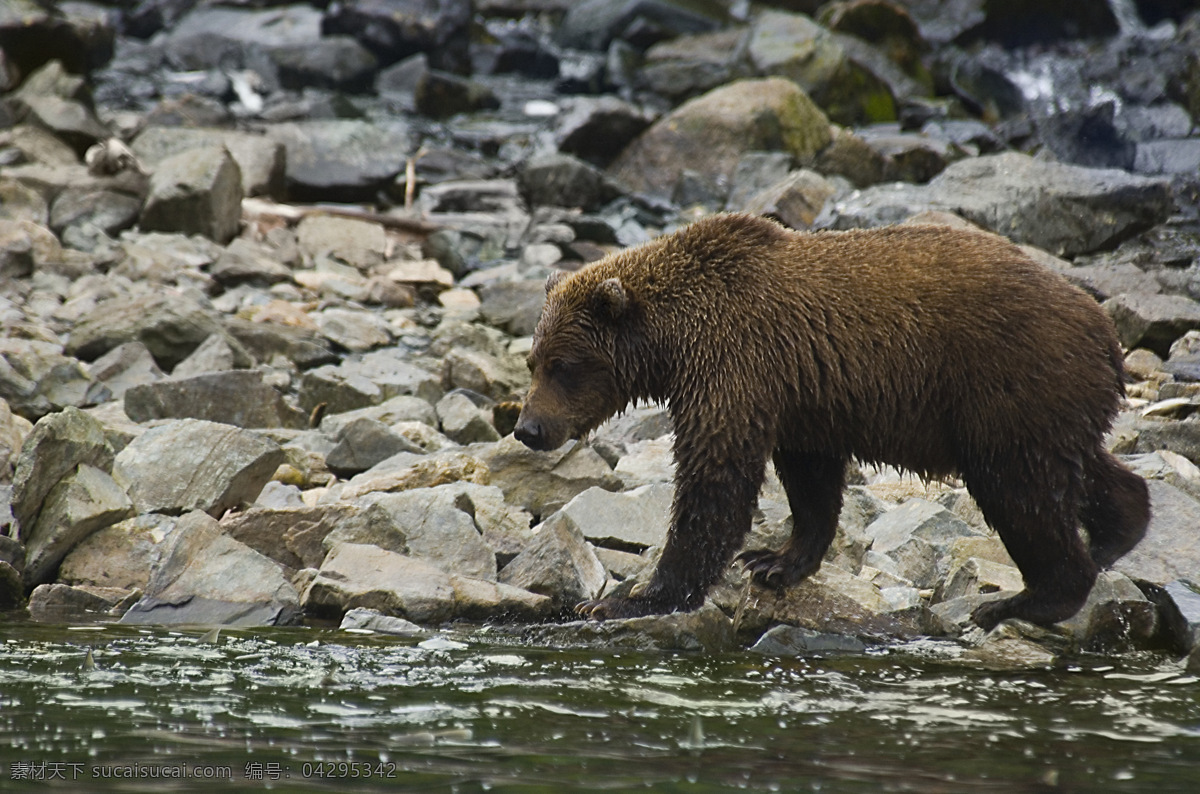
(1088, 137)
(335, 63)
(440, 95)
(216, 37)
(690, 65)
(206, 577)
(910, 157)
(76, 209)
(342, 160)
(31, 34)
(1168, 157)
(796, 641)
(395, 29)
(795, 201)
(593, 24)
(561, 180)
(159, 468)
(706, 630)
(246, 262)
(233, 397)
(1179, 606)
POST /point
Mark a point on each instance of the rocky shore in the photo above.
(268, 274)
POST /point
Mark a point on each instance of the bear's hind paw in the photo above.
(775, 570)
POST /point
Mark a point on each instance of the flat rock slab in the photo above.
(639, 518)
(191, 464)
(233, 397)
(207, 577)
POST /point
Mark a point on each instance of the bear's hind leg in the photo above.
(1116, 508)
(1037, 518)
(814, 487)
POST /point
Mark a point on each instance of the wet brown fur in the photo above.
(930, 348)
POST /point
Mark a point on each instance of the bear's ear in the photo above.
(554, 279)
(611, 298)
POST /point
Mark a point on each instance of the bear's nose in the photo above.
(530, 433)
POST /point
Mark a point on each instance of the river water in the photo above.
(301, 709)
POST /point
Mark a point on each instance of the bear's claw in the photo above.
(773, 569)
(618, 608)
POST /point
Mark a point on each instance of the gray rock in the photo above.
(557, 563)
(1064, 209)
(1006, 653)
(357, 575)
(596, 129)
(978, 576)
(686, 66)
(500, 378)
(505, 529)
(232, 397)
(191, 464)
(121, 555)
(59, 443)
(560, 180)
(169, 324)
(196, 192)
(646, 462)
(13, 432)
(795, 201)
(440, 95)
(266, 340)
(712, 132)
(36, 378)
(246, 262)
(463, 421)
(375, 378)
(79, 504)
(207, 577)
(214, 37)
(542, 482)
(795, 641)
(68, 119)
(593, 24)
(359, 244)
(356, 331)
(1152, 321)
(707, 630)
(1167, 157)
(1170, 550)
(363, 443)
(341, 160)
(438, 530)
(916, 537)
(1179, 609)
(1117, 616)
(478, 599)
(77, 212)
(260, 159)
(295, 536)
(214, 354)
(391, 412)
(359, 619)
(634, 520)
(61, 603)
(336, 63)
(125, 366)
(12, 588)
(19, 202)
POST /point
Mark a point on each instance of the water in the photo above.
(304, 709)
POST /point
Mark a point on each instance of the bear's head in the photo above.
(575, 380)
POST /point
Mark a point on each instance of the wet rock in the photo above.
(169, 324)
(1063, 209)
(635, 519)
(795, 201)
(558, 563)
(1179, 609)
(1000, 651)
(80, 503)
(1170, 550)
(356, 575)
(121, 555)
(795, 641)
(12, 588)
(32, 34)
(477, 599)
(560, 180)
(61, 603)
(58, 444)
(206, 577)
(259, 158)
(395, 29)
(341, 160)
(463, 421)
(706, 630)
(1117, 616)
(1152, 321)
(159, 468)
(233, 397)
(36, 378)
(440, 95)
(364, 443)
(195, 192)
(596, 129)
(359, 619)
(542, 482)
(710, 134)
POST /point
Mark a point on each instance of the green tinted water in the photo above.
(303, 709)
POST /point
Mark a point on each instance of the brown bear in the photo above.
(934, 349)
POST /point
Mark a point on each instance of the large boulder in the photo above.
(709, 134)
(196, 192)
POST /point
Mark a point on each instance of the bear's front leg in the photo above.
(710, 518)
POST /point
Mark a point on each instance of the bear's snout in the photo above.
(531, 432)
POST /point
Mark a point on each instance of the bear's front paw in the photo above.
(617, 608)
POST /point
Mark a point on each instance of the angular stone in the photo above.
(1171, 549)
(191, 464)
(59, 443)
(1152, 321)
(206, 577)
(795, 201)
(463, 421)
(438, 530)
(36, 378)
(834, 601)
(392, 413)
(710, 133)
(121, 555)
(125, 366)
(560, 180)
(513, 306)
(1116, 617)
(232, 397)
(542, 482)
(596, 129)
(356, 331)
(170, 325)
(214, 354)
(440, 469)
(1179, 608)
(478, 599)
(260, 159)
(341, 160)
(557, 563)
(13, 432)
(79, 504)
(196, 192)
(500, 378)
(635, 519)
(360, 244)
(364, 443)
(294, 536)
(359, 619)
(264, 340)
(374, 379)
(356, 575)
(976, 576)
(796, 641)
(246, 262)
